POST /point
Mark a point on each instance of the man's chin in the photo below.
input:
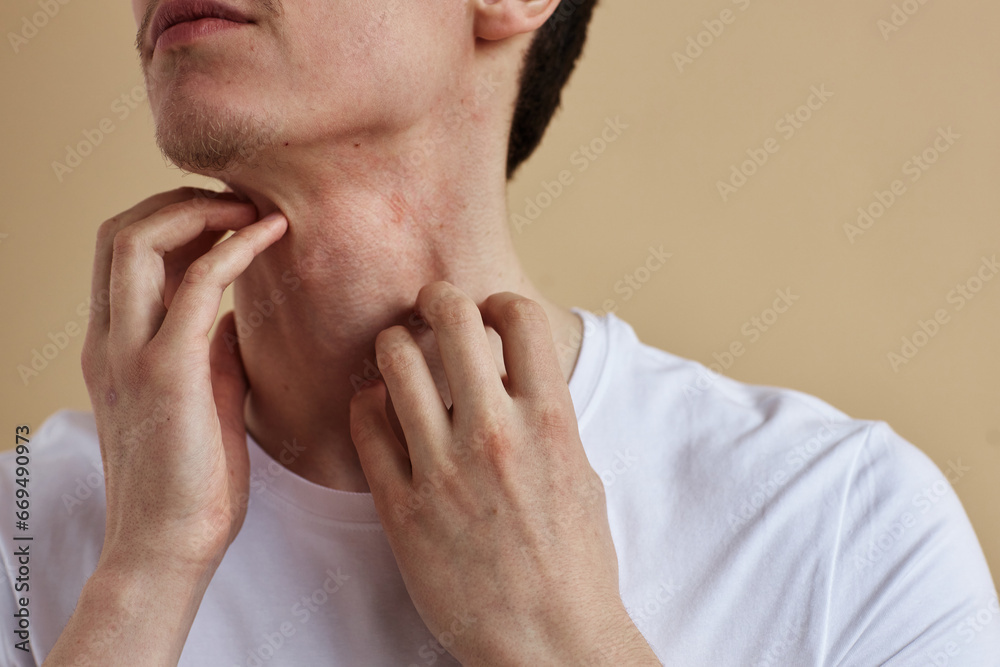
(212, 141)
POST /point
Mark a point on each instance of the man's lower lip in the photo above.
(189, 31)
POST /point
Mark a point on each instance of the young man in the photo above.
(397, 451)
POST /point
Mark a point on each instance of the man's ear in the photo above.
(500, 19)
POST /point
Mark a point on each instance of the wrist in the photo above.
(128, 572)
(183, 554)
(130, 608)
(605, 637)
(616, 641)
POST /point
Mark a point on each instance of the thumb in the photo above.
(229, 380)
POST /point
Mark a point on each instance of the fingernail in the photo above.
(273, 217)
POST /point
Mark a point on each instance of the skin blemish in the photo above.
(111, 398)
(399, 208)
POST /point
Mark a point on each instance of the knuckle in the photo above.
(454, 310)
(499, 451)
(198, 272)
(178, 207)
(493, 441)
(126, 241)
(523, 309)
(443, 302)
(432, 290)
(190, 197)
(106, 232)
(243, 245)
(551, 419)
(394, 351)
(363, 427)
(201, 198)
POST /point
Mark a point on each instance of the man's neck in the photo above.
(351, 263)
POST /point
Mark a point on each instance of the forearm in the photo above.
(130, 615)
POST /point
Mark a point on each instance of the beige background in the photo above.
(655, 185)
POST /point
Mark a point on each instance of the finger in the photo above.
(138, 272)
(196, 303)
(386, 465)
(230, 387)
(529, 353)
(421, 413)
(103, 252)
(176, 262)
(229, 379)
(473, 379)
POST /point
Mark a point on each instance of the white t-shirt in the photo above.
(754, 525)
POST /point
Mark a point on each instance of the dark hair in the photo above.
(547, 65)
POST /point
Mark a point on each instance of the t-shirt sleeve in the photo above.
(910, 583)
